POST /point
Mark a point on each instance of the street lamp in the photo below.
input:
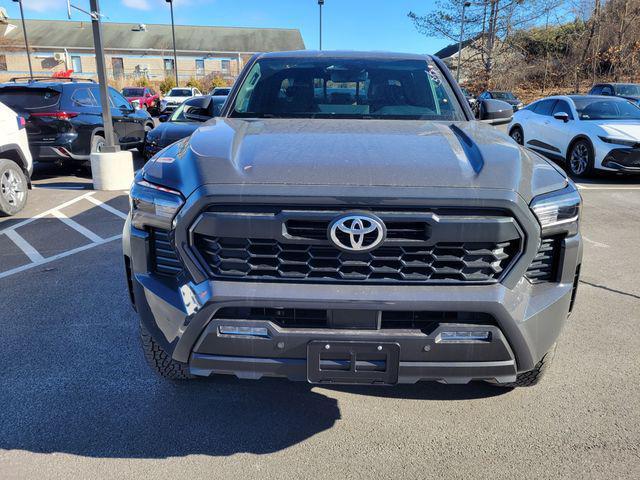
(111, 168)
(464, 7)
(173, 32)
(26, 42)
(320, 4)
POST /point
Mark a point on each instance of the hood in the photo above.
(169, 132)
(131, 99)
(629, 130)
(176, 99)
(398, 153)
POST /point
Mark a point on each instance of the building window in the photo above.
(76, 64)
(226, 65)
(3, 63)
(199, 67)
(168, 66)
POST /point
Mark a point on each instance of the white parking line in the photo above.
(28, 266)
(25, 246)
(108, 208)
(77, 227)
(593, 242)
(35, 257)
(47, 212)
(613, 187)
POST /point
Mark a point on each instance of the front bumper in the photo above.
(625, 160)
(180, 315)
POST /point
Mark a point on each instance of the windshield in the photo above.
(628, 89)
(503, 95)
(606, 109)
(179, 92)
(346, 88)
(133, 92)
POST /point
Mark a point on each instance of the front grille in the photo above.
(545, 264)
(163, 256)
(266, 259)
(427, 321)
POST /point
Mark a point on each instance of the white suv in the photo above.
(16, 163)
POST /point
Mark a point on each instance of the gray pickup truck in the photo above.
(347, 220)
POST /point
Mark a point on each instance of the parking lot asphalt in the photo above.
(78, 400)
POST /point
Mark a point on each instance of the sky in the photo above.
(347, 24)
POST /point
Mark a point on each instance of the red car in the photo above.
(146, 96)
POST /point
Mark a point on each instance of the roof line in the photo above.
(156, 24)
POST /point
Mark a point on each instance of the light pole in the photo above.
(110, 143)
(464, 7)
(173, 32)
(26, 42)
(320, 4)
(111, 168)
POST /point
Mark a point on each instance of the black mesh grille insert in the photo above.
(163, 255)
(265, 259)
(545, 263)
(317, 318)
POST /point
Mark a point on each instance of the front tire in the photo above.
(517, 135)
(97, 143)
(580, 159)
(160, 361)
(533, 377)
(13, 188)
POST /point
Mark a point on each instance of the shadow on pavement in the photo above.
(427, 391)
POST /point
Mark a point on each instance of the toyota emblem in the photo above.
(357, 232)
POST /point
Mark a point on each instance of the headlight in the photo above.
(153, 205)
(620, 141)
(520, 106)
(558, 212)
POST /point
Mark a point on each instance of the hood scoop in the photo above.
(471, 150)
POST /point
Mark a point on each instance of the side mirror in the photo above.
(495, 112)
(561, 116)
(163, 118)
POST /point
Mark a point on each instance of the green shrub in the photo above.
(167, 84)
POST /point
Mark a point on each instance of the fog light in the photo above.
(463, 337)
(244, 331)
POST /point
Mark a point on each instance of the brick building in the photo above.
(136, 50)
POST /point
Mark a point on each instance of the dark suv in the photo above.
(347, 220)
(64, 117)
(630, 91)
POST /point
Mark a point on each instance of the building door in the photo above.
(118, 67)
(168, 66)
(199, 67)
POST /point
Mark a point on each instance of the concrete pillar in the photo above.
(112, 170)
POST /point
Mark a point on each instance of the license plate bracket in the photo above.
(353, 362)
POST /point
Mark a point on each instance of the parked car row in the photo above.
(182, 122)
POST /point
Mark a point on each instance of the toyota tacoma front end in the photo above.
(347, 220)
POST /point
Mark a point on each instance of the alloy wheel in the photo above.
(12, 188)
(579, 160)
